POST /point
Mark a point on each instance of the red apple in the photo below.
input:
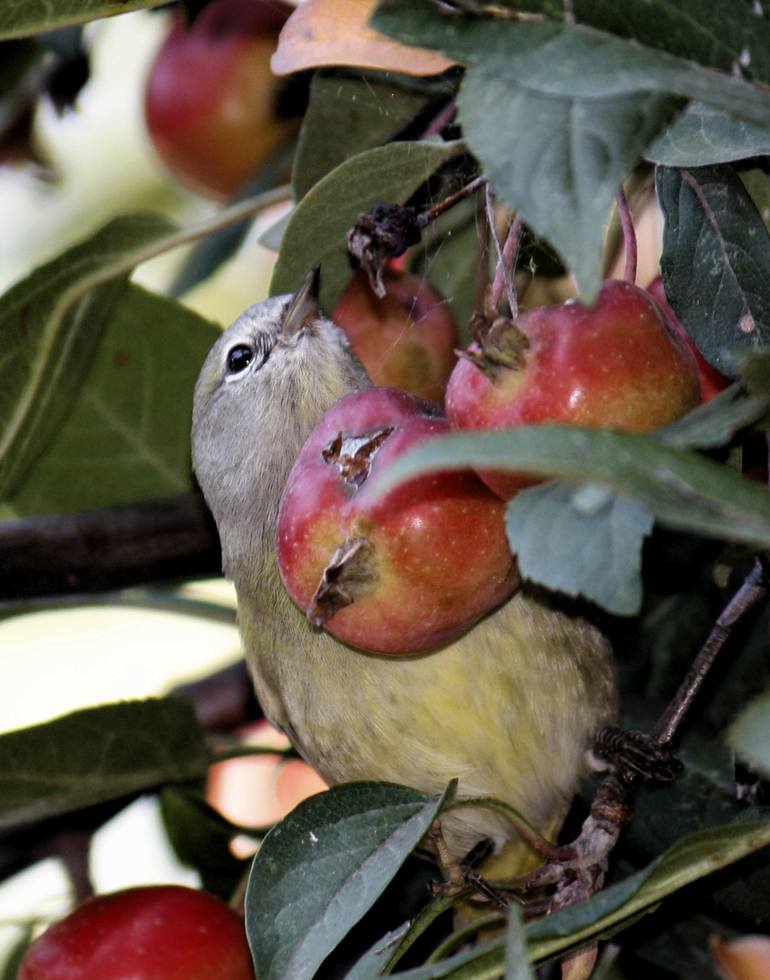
(405, 340)
(211, 103)
(711, 381)
(157, 932)
(404, 574)
(617, 364)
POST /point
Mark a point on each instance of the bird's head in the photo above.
(263, 387)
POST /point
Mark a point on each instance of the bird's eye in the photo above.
(239, 358)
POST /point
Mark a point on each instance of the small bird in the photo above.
(510, 709)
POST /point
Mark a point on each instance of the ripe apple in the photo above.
(211, 104)
(617, 364)
(405, 340)
(404, 574)
(711, 381)
(156, 932)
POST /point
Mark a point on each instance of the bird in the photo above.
(510, 710)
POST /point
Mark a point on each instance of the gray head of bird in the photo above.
(264, 385)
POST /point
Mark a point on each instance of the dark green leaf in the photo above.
(201, 839)
(127, 436)
(319, 870)
(717, 421)
(683, 490)
(716, 256)
(372, 963)
(316, 233)
(516, 959)
(749, 735)
(581, 540)
(572, 62)
(22, 17)
(564, 176)
(95, 755)
(703, 135)
(50, 326)
(347, 115)
(711, 32)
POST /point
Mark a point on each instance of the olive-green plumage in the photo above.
(510, 708)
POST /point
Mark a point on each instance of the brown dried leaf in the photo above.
(337, 32)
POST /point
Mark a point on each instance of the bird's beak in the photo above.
(303, 308)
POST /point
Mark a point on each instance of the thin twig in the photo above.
(443, 118)
(426, 217)
(629, 236)
(501, 266)
(752, 593)
(506, 269)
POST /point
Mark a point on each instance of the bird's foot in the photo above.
(638, 754)
(460, 877)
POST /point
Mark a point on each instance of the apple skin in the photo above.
(405, 340)
(440, 558)
(711, 381)
(616, 364)
(211, 99)
(155, 932)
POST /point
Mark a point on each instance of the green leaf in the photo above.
(581, 540)
(319, 870)
(50, 325)
(52, 321)
(127, 436)
(372, 963)
(316, 233)
(201, 839)
(683, 490)
(702, 135)
(716, 256)
(717, 421)
(749, 735)
(563, 178)
(574, 62)
(95, 755)
(711, 32)
(347, 115)
(19, 18)
(516, 959)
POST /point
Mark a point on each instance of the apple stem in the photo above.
(424, 218)
(629, 236)
(506, 267)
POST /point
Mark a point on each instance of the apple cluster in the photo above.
(413, 570)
